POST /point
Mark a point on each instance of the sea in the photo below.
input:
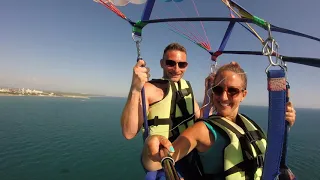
(49, 138)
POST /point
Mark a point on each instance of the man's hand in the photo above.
(140, 75)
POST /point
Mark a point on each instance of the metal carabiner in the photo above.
(270, 47)
(137, 39)
(214, 68)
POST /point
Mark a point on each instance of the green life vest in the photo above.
(244, 155)
(175, 112)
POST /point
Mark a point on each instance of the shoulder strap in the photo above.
(184, 92)
(179, 100)
(250, 163)
(158, 81)
(192, 95)
(256, 125)
(159, 121)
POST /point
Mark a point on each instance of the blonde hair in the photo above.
(234, 67)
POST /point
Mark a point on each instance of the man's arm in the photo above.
(132, 114)
(132, 117)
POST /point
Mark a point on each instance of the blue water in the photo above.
(44, 138)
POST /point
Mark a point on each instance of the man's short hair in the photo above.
(174, 46)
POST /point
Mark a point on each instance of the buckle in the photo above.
(249, 137)
(259, 161)
(156, 121)
(179, 95)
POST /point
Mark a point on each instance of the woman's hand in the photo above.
(154, 144)
(209, 81)
(290, 113)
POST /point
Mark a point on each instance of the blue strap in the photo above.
(221, 48)
(146, 16)
(145, 120)
(288, 31)
(244, 25)
(276, 123)
(208, 107)
(285, 143)
(150, 175)
(147, 10)
(226, 36)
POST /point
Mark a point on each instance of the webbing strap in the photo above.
(178, 99)
(283, 162)
(249, 163)
(276, 123)
(224, 41)
(214, 57)
(156, 121)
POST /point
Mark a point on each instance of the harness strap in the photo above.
(247, 166)
(156, 121)
(181, 102)
(173, 133)
(191, 92)
(161, 81)
(256, 125)
(250, 135)
(162, 121)
(276, 123)
(246, 140)
(178, 99)
(285, 143)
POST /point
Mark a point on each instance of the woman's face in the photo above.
(228, 92)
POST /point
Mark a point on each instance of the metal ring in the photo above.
(213, 67)
(168, 157)
(136, 38)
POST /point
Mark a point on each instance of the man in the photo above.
(170, 104)
(174, 64)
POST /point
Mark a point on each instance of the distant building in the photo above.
(29, 91)
(4, 90)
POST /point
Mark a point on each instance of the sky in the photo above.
(81, 46)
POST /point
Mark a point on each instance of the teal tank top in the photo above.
(213, 159)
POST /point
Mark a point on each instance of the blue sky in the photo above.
(81, 46)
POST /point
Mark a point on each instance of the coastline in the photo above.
(60, 96)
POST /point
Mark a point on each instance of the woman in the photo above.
(229, 144)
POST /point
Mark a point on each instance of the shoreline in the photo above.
(62, 96)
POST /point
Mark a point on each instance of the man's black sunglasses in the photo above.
(171, 63)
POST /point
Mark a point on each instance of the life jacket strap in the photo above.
(249, 163)
(163, 121)
(179, 100)
(182, 93)
(156, 121)
(248, 166)
(252, 136)
(255, 125)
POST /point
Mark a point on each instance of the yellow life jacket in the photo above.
(175, 112)
(244, 155)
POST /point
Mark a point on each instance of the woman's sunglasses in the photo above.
(231, 91)
(171, 63)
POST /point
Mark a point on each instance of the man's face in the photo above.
(174, 64)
